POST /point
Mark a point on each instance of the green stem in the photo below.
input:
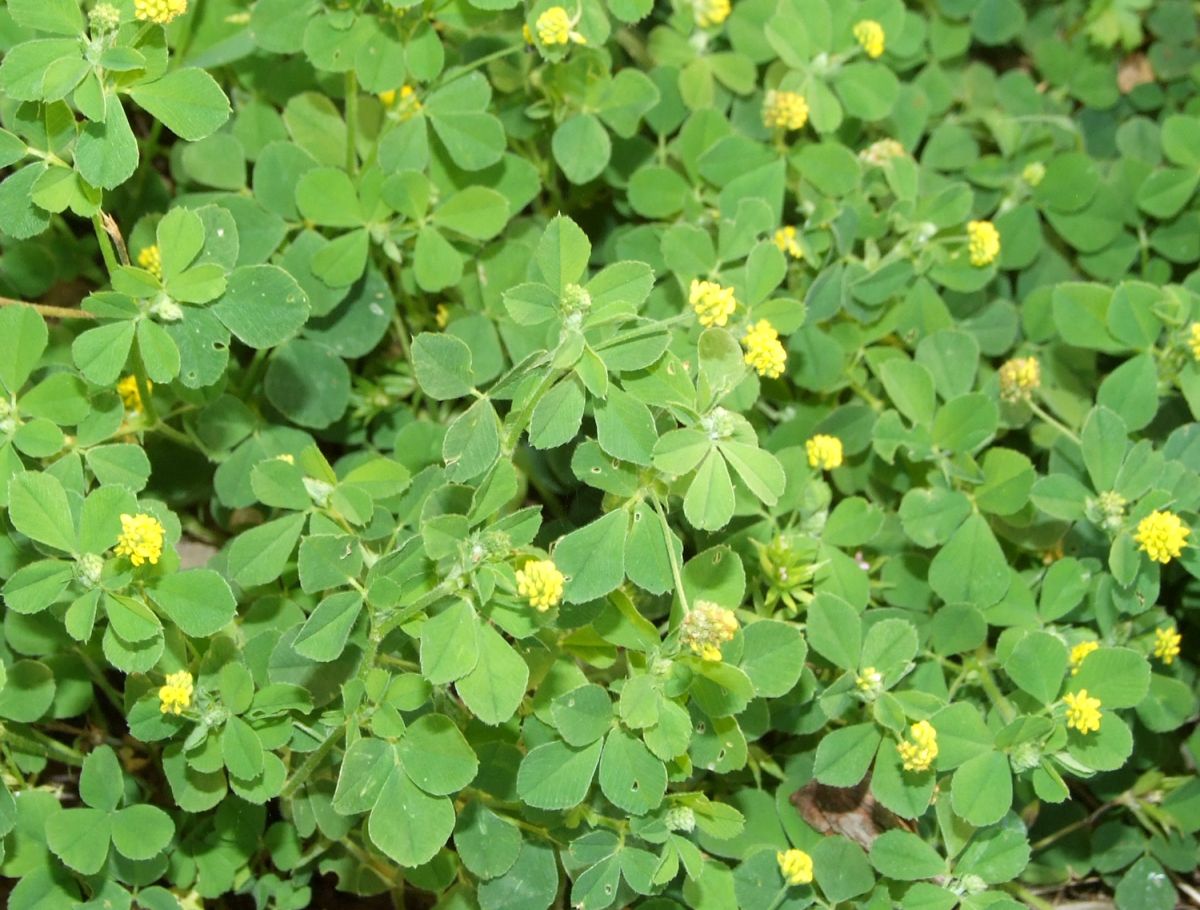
(988, 683)
(106, 247)
(253, 372)
(667, 539)
(98, 677)
(351, 121)
(310, 764)
(1053, 421)
(53, 312)
(143, 386)
(523, 416)
(38, 743)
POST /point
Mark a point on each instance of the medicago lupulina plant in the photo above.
(500, 456)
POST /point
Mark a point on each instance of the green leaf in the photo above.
(1119, 677)
(436, 756)
(450, 644)
(971, 568)
(443, 365)
(709, 501)
(101, 785)
(263, 305)
(22, 340)
(982, 789)
(37, 507)
(100, 353)
(557, 776)
(562, 253)
(61, 17)
(80, 838)
(106, 154)
(241, 749)
(258, 556)
(773, 657)
(476, 212)
(323, 636)
(1037, 664)
(308, 383)
(326, 196)
(625, 427)
(583, 715)
(905, 857)
(593, 558)
(556, 418)
(841, 869)
(581, 148)
(630, 776)
(844, 755)
(407, 824)
(835, 630)
(366, 767)
(141, 832)
(472, 442)
(494, 689)
(188, 101)
(488, 844)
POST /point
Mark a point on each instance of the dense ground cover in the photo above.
(504, 456)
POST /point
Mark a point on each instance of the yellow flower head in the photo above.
(442, 315)
(104, 17)
(1034, 173)
(159, 11)
(983, 242)
(706, 627)
(176, 694)
(1083, 711)
(785, 239)
(1079, 652)
(1166, 644)
(1194, 340)
(869, 680)
(869, 34)
(150, 259)
(824, 452)
(784, 110)
(880, 152)
(795, 866)
(763, 350)
(526, 33)
(131, 396)
(1162, 536)
(710, 12)
(141, 539)
(1020, 377)
(918, 753)
(541, 584)
(401, 103)
(554, 26)
(713, 304)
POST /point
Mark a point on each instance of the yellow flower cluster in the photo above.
(403, 102)
(1162, 536)
(706, 627)
(918, 753)
(150, 259)
(795, 866)
(869, 34)
(1166, 644)
(710, 12)
(159, 11)
(104, 17)
(1194, 340)
(824, 452)
(764, 351)
(786, 110)
(983, 242)
(131, 396)
(713, 304)
(541, 584)
(555, 26)
(880, 152)
(1083, 711)
(1020, 377)
(176, 694)
(785, 239)
(1079, 652)
(141, 539)
(1034, 173)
